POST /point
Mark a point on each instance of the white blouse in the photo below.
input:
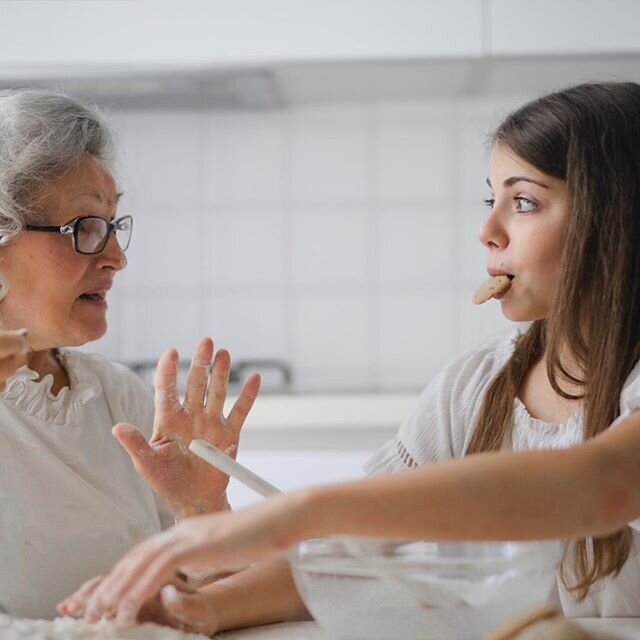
(71, 503)
(441, 427)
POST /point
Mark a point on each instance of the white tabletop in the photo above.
(623, 628)
(283, 631)
(620, 628)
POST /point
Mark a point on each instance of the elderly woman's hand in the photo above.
(202, 544)
(13, 353)
(189, 485)
(178, 605)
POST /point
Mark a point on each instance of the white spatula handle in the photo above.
(228, 465)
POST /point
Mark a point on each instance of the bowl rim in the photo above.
(532, 554)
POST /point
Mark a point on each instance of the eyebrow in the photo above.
(96, 195)
(508, 182)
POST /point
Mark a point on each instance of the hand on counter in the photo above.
(189, 485)
(225, 540)
(178, 606)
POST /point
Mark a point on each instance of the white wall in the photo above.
(341, 239)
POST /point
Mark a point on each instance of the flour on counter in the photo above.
(72, 629)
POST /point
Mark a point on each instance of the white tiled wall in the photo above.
(341, 239)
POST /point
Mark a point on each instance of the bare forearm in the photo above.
(262, 594)
(545, 494)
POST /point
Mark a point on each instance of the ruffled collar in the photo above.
(34, 397)
(534, 433)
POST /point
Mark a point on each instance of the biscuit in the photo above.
(490, 288)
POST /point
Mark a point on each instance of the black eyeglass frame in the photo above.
(72, 228)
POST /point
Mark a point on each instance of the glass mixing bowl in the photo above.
(382, 589)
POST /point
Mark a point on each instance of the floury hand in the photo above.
(189, 485)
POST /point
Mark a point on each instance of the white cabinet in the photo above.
(571, 27)
(106, 35)
(40, 38)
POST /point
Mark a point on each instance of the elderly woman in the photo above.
(71, 501)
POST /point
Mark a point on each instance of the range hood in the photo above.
(291, 84)
(232, 89)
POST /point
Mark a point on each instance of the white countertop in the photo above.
(304, 410)
(325, 421)
(620, 628)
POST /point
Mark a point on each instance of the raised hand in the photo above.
(189, 485)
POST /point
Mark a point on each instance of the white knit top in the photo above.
(441, 426)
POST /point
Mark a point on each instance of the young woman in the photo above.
(541, 423)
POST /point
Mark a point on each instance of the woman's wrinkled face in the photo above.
(58, 294)
(524, 233)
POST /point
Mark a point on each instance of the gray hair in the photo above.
(43, 136)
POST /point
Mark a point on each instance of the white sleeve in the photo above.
(442, 422)
(630, 402)
(424, 437)
(630, 396)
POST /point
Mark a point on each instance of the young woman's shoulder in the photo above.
(461, 383)
(483, 360)
(442, 419)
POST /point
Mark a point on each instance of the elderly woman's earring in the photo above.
(4, 286)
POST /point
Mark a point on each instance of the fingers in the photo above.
(108, 594)
(220, 541)
(166, 385)
(135, 444)
(193, 610)
(219, 382)
(245, 401)
(76, 603)
(198, 376)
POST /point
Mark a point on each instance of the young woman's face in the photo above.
(524, 233)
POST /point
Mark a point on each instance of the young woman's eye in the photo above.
(489, 202)
(525, 205)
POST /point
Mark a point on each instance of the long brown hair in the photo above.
(589, 136)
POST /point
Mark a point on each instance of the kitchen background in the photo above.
(340, 239)
(306, 181)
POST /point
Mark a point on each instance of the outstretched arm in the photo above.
(591, 489)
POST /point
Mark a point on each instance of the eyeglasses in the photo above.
(90, 234)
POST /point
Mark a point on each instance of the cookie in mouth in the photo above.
(492, 287)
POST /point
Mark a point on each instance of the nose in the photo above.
(492, 233)
(112, 256)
